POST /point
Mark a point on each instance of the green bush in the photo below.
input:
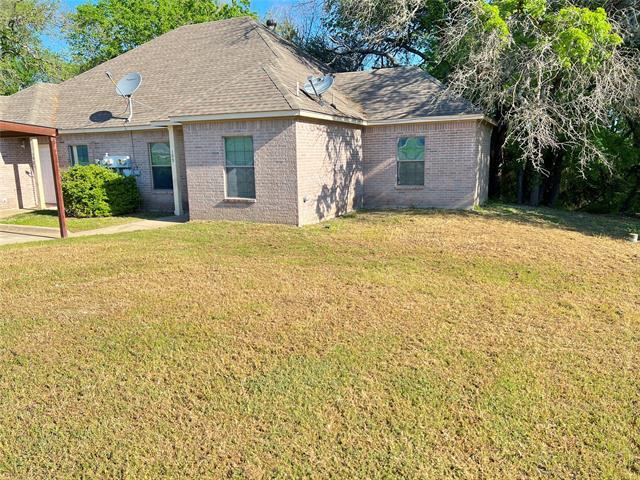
(96, 191)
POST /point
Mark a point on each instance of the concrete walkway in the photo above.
(8, 238)
(10, 234)
(150, 224)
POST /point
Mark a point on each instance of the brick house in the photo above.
(222, 129)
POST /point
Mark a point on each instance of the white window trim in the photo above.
(153, 184)
(74, 154)
(227, 198)
(424, 162)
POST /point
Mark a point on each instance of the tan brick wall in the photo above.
(330, 179)
(18, 187)
(452, 167)
(120, 143)
(306, 171)
(274, 143)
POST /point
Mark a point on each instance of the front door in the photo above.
(47, 175)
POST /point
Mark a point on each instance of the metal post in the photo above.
(53, 145)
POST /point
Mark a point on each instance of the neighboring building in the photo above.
(222, 129)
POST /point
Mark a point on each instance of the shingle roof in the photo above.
(226, 67)
(398, 93)
(35, 105)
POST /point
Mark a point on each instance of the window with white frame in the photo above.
(239, 167)
(410, 161)
(161, 174)
(79, 155)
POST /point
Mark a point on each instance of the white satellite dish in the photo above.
(128, 84)
(126, 87)
(318, 85)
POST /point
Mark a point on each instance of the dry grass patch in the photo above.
(385, 345)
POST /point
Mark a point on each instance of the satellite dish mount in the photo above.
(316, 86)
(126, 87)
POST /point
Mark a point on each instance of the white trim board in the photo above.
(180, 119)
(69, 131)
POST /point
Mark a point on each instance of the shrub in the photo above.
(96, 191)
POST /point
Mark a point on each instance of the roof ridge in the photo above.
(284, 49)
(293, 104)
(34, 87)
(152, 40)
(274, 37)
(273, 76)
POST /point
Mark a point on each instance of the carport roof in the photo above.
(10, 129)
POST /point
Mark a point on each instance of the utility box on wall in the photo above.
(120, 163)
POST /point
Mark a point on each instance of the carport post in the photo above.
(35, 157)
(53, 145)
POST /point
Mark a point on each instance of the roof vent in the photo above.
(272, 24)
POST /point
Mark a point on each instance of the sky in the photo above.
(55, 42)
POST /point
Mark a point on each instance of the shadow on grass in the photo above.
(613, 226)
(54, 213)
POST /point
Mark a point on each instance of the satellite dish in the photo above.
(128, 84)
(126, 87)
(318, 85)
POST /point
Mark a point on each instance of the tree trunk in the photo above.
(534, 196)
(555, 178)
(496, 163)
(635, 190)
(521, 185)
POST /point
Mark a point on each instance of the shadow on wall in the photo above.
(16, 176)
(343, 149)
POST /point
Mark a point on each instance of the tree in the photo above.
(353, 34)
(23, 59)
(99, 31)
(555, 75)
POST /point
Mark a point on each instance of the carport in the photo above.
(14, 129)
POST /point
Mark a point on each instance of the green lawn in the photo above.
(502, 343)
(49, 218)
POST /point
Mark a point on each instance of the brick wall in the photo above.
(120, 143)
(452, 169)
(17, 177)
(330, 179)
(274, 144)
(305, 171)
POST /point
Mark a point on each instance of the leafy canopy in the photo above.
(100, 31)
(584, 36)
(23, 59)
(578, 35)
(553, 74)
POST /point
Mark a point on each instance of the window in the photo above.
(79, 154)
(161, 166)
(238, 154)
(411, 161)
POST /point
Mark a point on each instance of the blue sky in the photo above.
(57, 43)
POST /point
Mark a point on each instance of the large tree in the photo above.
(23, 58)
(105, 29)
(555, 75)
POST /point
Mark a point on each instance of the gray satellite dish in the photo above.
(318, 85)
(126, 87)
(128, 84)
